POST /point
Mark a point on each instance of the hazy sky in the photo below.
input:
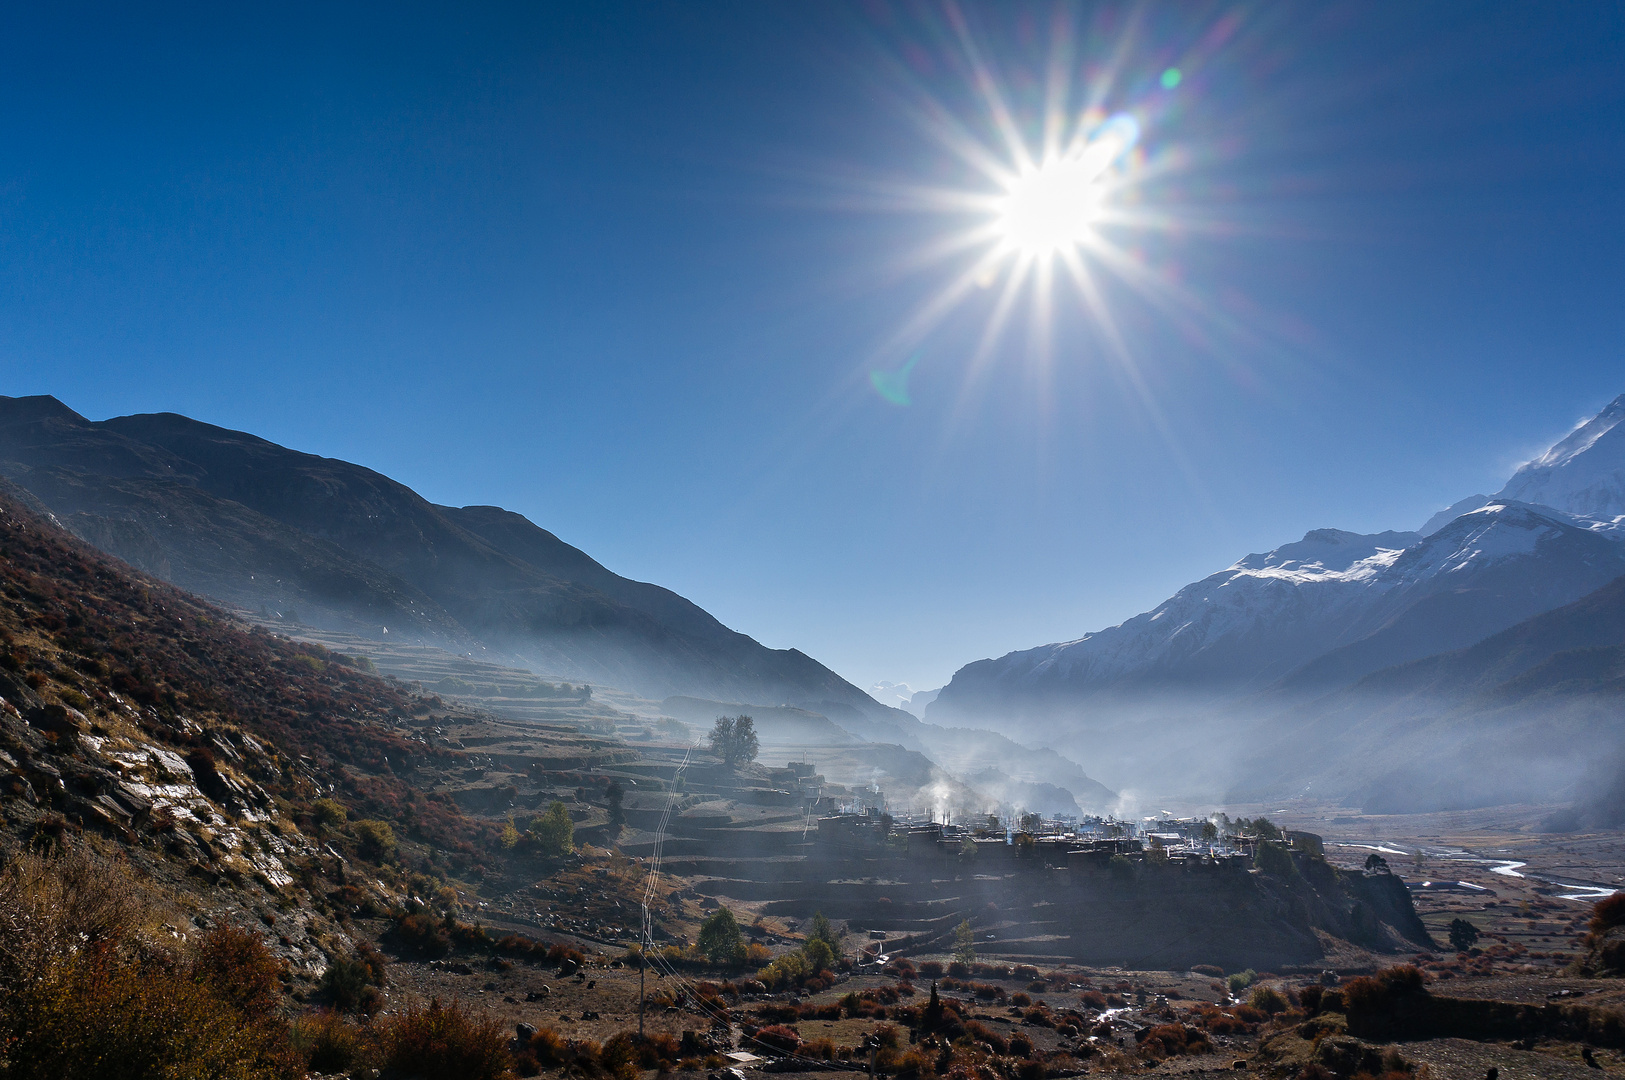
(626, 269)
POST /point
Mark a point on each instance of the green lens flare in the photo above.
(893, 385)
(1172, 78)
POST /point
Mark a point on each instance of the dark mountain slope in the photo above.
(243, 519)
(1591, 625)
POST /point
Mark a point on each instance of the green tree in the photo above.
(965, 943)
(1261, 827)
(553, 832)
(819, 956)
(1210, 831)
(1030, 823)
(1463, 935)
(1274, 859)
(614, 795)
(1376, 864)
(1121, 867)
(720, 939)
(733, 739)
(510, 835)
(823, 930)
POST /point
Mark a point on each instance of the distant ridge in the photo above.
(1301, 668)
(331, 544)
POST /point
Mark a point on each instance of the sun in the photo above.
(1053, 206)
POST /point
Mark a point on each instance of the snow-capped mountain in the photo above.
(1583, 474)
(1335, 606)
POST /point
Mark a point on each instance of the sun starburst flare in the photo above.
(1057, 195)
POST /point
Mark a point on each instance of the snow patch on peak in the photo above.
(1327, 553)
(1497, 530)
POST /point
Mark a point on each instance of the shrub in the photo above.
(444, 1042)
(347, 986)
(1369, 994)
(328, 812)
(900, 969)
(1121, 867)
(326, 1042)
(1093, 999)
(100, 1017)
(377, 838)
(779, 1038)
(549, 1048)
(1268, 1000)
(422, 935)
(1170, 1040)
(931, 969)
(238, 968)
(1241, 980)
(1606, 914)
(984, 1034)
(620, 1056)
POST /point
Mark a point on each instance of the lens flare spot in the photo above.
(893, 385)
(1172, 78)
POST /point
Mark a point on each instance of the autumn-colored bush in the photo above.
(931, 969)
(102, 1017)
(778, 1038)
(422, 934)
(548, 1048)
(443, 1042)
(1093, 999)
(1172, 1040)
(87, 990)
(1378, 993)
(1606, 914)
(984, 1034)
(326, 1042)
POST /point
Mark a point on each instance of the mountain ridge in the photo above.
(244, 520)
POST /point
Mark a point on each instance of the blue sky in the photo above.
(626, 269)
